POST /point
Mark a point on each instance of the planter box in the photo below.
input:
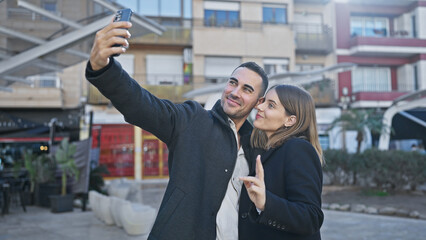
(44, 190)
(59, 203)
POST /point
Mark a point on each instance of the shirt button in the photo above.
(244, 215)
(226, 170)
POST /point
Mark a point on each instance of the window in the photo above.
(368, 79)
(164, 69)
(369, 26)
(275, 65)
(274, 14)
(307, 67)
(413, 26)
(127, 61)
(307, 22)
(324, 141)
(221, 14)
(416, 78)
(45, 81)
(164, 8)
(218, 69)
(49, 6)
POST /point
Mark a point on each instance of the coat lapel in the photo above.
(264, 157)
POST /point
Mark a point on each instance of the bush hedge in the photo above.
(385, 169)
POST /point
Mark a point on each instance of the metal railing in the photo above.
(172, 35)
(252, 25)
(313, 38)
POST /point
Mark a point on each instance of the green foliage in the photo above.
(65, 159)
(337, 164)
(375, 193)
(40, 168)
(96, 181)
(16, 170)
(31, 168)
(45, 167)
(358, 120)
(385, 169)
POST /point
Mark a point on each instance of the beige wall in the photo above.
(250, 43)
(140, 58)
(74, 85)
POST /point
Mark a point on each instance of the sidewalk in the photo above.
(39, 224)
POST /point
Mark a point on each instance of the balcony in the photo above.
(322, 92)
(240, 25)
(178, 32)
(313, 38)
(396, 45)
(375, 99)
(312, 1)
(174, 35)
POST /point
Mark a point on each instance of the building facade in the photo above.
(205, 40)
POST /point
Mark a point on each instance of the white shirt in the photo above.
(227, 216)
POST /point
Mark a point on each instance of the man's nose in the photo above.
(236, 92)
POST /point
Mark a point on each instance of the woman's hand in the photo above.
(256, 186)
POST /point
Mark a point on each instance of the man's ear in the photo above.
(290, 121)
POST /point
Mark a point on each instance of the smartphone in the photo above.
(122, 15)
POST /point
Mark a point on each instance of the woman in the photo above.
(283, 199)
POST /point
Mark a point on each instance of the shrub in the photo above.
(385, 169)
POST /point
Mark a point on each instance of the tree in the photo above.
(359, 120)
(65, 158)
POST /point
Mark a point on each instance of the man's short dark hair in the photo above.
(259, 70)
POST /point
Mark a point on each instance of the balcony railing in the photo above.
(246, 25)
(322, 92)
(377, 96)
(173, 35)
(313, 38)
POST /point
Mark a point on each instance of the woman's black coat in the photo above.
(293, 179)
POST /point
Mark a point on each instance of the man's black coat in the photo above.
(202, 152)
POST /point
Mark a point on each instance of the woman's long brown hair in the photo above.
(299, 103)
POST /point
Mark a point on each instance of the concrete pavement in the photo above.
(357, 226)
(40, 224)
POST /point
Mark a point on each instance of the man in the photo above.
(206, 148)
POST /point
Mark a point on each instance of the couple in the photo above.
(212, 154)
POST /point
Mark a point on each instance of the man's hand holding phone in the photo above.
(110, 41)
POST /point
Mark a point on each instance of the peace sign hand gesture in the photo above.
(256, 186)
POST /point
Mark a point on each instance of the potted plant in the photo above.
(64, 157)
(45, 183)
